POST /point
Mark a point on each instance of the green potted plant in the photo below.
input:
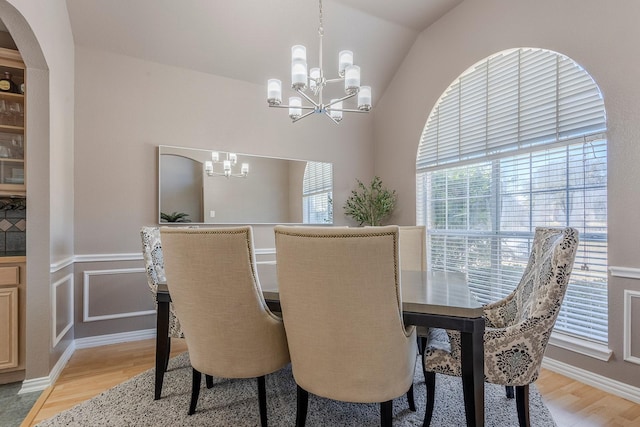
(370, 205)
(174, 217)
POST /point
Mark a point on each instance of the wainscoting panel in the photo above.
(631, 335)
(62, 302)
(107, 297)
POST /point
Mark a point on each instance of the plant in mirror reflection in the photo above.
(370, 205)
(174, 217)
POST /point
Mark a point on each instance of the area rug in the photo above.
(235, 403)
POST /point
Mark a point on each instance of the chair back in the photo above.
(413, 246)
(211, 275)
(342, 308)
(152, 254)
(544, 282)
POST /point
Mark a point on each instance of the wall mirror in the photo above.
(218, 187)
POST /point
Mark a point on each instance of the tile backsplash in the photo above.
(13, 230)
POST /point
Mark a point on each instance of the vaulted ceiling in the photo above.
(250, 40)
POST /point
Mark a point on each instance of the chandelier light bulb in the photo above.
(233, 158)
(352, 79)
(299, 74)
(336, 115)
(274, 92)
(298, 52)
(245, 169)
(314, 76)
(208, 167)
(345, 58)
(295, 102)
(215, 156)
(364, 98)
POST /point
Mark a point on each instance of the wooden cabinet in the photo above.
(12, 318)
(12, 126)
(9, 327)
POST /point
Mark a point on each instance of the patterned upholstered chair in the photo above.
(229, 330)
(340, 348)
(154, 263)
(517, 327)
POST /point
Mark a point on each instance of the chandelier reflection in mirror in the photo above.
(227, 166)
(315, 81)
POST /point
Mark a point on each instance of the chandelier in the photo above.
(227, 165)
(315, 81)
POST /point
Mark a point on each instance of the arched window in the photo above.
(518, 141)
(316, 193)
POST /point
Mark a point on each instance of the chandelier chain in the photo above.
(321, 28)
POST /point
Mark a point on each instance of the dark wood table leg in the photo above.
(162, 342)
(472, 355)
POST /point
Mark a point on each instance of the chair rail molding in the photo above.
(626, 272)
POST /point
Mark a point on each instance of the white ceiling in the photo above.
(250, 40)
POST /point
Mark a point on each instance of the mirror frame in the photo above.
(241, 157)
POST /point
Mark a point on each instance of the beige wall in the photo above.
(126, 107)
(602, 37)
(42, 33)
(89, 200)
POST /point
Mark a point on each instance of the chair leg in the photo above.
(209, 380)
(430, 382)
(195, 391)
(302, 404)
(262, 400)
(386, 413)
(422, 343)
(166, 363)
(522, 403)
(509, 390)
(412, 402)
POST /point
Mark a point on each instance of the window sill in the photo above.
(582, 346)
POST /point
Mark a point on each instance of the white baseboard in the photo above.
(617, 388)
(101, 340)
(39, 384)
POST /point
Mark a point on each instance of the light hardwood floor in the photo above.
(91, 371)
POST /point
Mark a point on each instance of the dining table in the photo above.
(434, 299)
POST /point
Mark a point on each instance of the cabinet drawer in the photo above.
(9, 275)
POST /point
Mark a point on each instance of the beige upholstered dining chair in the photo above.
(342, 309)
(229, 330)
(413, 256)
(413, 247)
(517, 327)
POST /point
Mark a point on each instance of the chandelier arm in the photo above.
(303, 116)
(335, 101)
(332, 119)
(303, 107)
(308, 98)
(336, 80)
(350, 110)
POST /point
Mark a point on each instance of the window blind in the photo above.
(515, 100)
(517, 142)
(316, 193)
